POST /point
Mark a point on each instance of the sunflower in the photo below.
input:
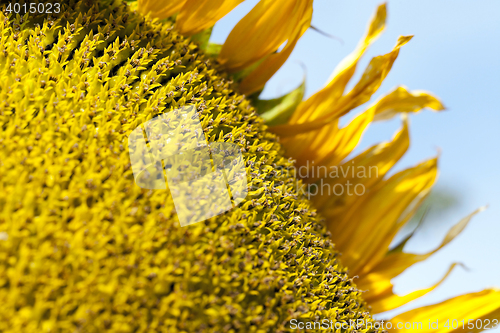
(84, 249)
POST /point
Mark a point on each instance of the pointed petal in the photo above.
(383, 156)
(198, 15)
(257, 79)
(260, 75)
(365, 232)
(325, 98)
(401, 100)
(394, 264)
(481, 305)
(319, 114)
(376, 161)
(160, 8)
(327, 147)
(372, 78)
(335, 150)
(381, 297)
(262, 31)
(299, 147)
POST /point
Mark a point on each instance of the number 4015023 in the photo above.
(38, 8)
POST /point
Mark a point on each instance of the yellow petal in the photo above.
(396, 263)
(256, 80)
(198, 15)
(372, 78)
(365, 232)
(377, 161)
(160, 8)
(481, 305)
(262, 31)
(299, 147)
(325, 98)
(328, 146)
(309, 116)
(401, 100)
(383, 156)
(381, 297)
(342, 143)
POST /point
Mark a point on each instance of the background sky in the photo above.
(454, 55)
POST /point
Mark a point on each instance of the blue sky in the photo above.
(455, 55)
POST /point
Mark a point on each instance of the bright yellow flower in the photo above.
(84, 249)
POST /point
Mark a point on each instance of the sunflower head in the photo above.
(84, 248)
